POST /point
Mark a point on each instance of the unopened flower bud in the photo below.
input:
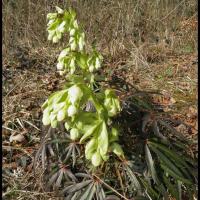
(73, 46)
(74, 93)
(97, 63)
(72, 32)
(74, 134)
(91, 68)
(60, 66)
(61, 115)
(61, 27)
(96, 159)
(71, 111)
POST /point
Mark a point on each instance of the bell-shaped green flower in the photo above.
(72, 43)
(52, 116)
(51, 35)
(51, 21)
(75, 94)
(72, 32)
(63, 53)
(52, 16)
(59, 10)
(61, 72)
(91, 63)
(61, 115)
(91, 68)
(74, 134)
(72, 110)
(81, 41)
(55, 39)
(60, 66)
(72, 63)
(96, 159)
(58, 34)
(75, 24)
(61, 27)
(46, 117)
(72, 70)
(54, 123)
(97, 63)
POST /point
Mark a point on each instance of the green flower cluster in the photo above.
(74, 55)
(68, 105)
(61, 105)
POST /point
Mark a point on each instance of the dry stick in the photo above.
(26, 191)
(111, 188)
(15, 87)
(32, 125)
(17, 148)
(29, 92)
(8, 128)
(120, 180)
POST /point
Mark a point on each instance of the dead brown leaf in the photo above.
(17, 138)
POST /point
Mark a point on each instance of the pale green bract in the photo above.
(91, 128)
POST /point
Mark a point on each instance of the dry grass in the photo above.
(115, 25)
(151, 44)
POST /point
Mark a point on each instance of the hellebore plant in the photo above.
(79, 119)
(90, 127)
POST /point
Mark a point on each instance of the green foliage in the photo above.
(67, 105)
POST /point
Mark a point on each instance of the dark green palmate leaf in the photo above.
(81, 191)
(172, 167)
(135, 184)
(88, 189)
(173, 160)
(157, 131)
(72, 150)
(42, 151)
(60, 173)
(150, 164)
(174, 170)
(174, 189)
(77, 186)
(150, 191)
(112, 197)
